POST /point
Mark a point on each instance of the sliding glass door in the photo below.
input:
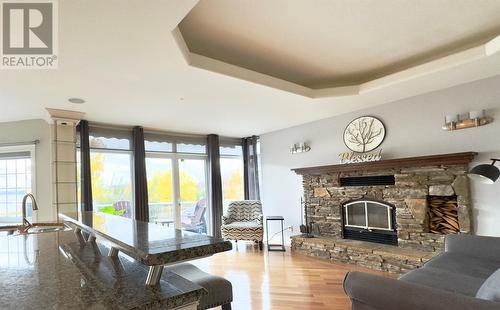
(177, 191)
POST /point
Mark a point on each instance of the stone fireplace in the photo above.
(389, 215)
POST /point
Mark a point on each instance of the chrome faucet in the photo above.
(26, 223)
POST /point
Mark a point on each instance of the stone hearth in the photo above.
(415, 179)
(366, 254)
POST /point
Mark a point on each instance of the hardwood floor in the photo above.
(277, 280)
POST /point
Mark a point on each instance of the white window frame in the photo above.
(31, 148)
(365, 202)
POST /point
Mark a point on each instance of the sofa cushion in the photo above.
(444, 279)
(464, 264)
(490, 290)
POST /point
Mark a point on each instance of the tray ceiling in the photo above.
(324, 44)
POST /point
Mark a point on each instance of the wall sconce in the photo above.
(473, 119)
(299, 148)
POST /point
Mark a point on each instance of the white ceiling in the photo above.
(121, 57)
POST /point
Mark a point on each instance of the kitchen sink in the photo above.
(44, 229)
(39, 228)
(36, 228)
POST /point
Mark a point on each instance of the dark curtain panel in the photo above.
(85, 179)
(140, 184)
(215, 182)
(251, 167)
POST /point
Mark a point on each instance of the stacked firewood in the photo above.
(443, 215)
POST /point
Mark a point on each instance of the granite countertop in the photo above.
(52, 271)
(149, 243)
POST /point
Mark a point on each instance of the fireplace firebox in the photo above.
(369, 220)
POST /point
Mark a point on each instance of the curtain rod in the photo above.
(20, 143)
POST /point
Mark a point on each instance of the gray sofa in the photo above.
(465, 277)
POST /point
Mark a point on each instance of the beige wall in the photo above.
(413, 129)
(29, 130)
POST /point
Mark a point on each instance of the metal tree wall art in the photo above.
(364, 134)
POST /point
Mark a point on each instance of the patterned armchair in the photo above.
(243, 221)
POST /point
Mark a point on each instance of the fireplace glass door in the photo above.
(368, 215)
(356, 214)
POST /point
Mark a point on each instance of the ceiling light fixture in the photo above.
(76, 100)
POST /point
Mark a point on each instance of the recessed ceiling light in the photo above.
(76, 100)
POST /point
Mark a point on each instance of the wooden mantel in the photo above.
(420, 161)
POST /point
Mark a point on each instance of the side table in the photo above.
(275, 247)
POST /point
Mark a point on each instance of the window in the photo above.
(231, 166)
(111, 171)
(112, 182)
(176, 169)
(176, 175)
(16, 180)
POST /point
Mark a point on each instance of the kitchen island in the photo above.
(80, 267)
(53, 271)
(150, 244)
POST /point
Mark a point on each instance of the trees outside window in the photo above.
(112, 182)
(232, 179)
(231, 165)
